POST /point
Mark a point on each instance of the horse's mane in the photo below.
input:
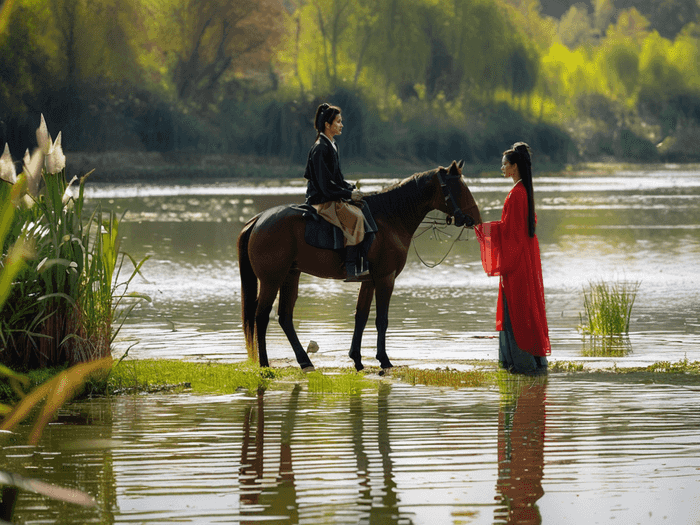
(398, 198)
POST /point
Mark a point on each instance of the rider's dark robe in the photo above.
(508, 251)
(327, 190)
(325, 180)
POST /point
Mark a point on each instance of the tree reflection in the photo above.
(521, 429)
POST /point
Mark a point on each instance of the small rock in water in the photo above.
(313, 347)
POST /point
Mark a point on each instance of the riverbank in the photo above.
(135, 376)
(181, 167)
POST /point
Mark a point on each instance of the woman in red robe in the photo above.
(509, 249)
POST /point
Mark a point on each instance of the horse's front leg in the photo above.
(289, 292)
(364, 303)
(385, 287)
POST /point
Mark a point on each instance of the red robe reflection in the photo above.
(507, 250)
(521, 429)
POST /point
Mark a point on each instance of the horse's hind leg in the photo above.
(266, 298)
(364, 303)
(288, 298)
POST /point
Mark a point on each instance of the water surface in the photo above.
(638, 226)
(552, 451)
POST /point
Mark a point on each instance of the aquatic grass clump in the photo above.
(443, 377)
(565, 366)
(681, 367)
(608, 308)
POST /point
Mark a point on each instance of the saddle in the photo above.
(320, 233)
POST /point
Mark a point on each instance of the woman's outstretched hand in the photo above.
(357, 195)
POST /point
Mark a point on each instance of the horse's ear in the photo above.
(461, 163)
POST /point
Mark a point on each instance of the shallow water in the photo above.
(551, 451)
(632, 225)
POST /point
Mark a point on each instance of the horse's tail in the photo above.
(249, 290)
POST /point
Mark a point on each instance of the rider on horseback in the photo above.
(331, 195)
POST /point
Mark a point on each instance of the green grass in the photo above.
(444, 377)
(608, 308)
(131, 376)
(565, 366)
(342, 382)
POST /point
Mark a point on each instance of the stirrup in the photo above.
(353, 276)
(358, 277)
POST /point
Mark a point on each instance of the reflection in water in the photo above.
(399, 455)
(376, 500)
(521, 429)
(610, 346)
(279, 500)
(384, 509)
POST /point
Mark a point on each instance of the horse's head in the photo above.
(458, 200)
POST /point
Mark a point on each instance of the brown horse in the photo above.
(274, 253)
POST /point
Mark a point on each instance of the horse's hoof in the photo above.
(386, 371)
(308, 369)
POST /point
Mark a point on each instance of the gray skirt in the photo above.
(511, 357)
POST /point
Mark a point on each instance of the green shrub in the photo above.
(62, 302)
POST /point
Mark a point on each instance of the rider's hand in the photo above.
(356, 195)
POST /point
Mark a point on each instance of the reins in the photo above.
(432, 225)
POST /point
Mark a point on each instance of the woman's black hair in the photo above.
(324, 113)
(519, 154)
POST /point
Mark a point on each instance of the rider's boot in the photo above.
(355, 266)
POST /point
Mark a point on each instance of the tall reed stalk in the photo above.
(608, 308)
(61, 305)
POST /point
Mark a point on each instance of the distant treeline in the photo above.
(417, 80)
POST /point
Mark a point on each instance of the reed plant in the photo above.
(63, 301)
(608, 308)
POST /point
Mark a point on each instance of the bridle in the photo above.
(460, 218)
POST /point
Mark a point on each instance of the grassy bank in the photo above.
(152, 376)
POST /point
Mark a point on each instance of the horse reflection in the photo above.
(377, 500)
(383, 509)
(280, 499)
(521, 429)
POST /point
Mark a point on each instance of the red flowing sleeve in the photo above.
(502, 241)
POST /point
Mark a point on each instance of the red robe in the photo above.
(507, 250)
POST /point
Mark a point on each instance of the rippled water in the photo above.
(550, 451)
(631, 225)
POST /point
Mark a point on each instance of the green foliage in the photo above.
(244, 77)
(61, 302)
(608, 308)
